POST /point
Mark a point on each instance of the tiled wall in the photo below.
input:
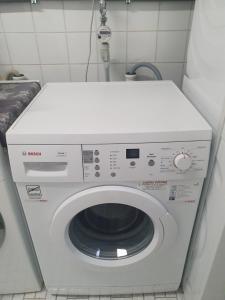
(49, 41)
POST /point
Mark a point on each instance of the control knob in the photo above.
(182, 161)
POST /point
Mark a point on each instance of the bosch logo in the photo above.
(33, 153)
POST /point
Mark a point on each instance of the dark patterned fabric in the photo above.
(14, 97)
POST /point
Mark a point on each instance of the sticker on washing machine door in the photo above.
(153, 185)
(181, 192)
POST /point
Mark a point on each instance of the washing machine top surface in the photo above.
(109, 112)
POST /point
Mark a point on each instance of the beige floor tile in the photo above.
(165, 298)
(29, 295)
(50, 296)
(18, 297)
(7, 297)
(149, 297)
(160, 295)
(41, 295)
(138, 297)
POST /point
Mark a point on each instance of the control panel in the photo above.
(149, 161)
(109, 162)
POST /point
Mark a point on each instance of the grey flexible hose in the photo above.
(150, 66)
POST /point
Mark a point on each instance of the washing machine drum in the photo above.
(111, 231)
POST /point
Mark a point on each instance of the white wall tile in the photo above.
(22, 48)
(16, 17)
(171, 46)
(78, 72)
(141, 46)
(116, 15)
(117, 72)
(78, 15)
(48, 16)
(32, 72)
(4, 53)
(143, 15)
(191, 19)
(174, 15)
(1, 27)
(79, 47)
(117, 47)
(172, 71)
(62, 38)
(55, 73)
(52, 48)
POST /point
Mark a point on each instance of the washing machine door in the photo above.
(113, 223)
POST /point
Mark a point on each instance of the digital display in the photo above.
(132, 153)
(88, 157)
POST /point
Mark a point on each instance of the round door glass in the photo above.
(2, 230)
(111, 231)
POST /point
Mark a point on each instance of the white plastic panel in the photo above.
(46, 163)
(155, 161)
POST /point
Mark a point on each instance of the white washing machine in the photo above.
(19, 271)
(109, 176)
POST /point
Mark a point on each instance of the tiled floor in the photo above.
(43, 295)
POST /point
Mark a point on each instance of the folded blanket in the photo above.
(14, 97)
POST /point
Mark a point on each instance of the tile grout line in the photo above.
(67, 42)
(36, 42)
(157, 31)
(126, 41)
(187, 40)
(6, 41)
(86, 31)
(94, 32)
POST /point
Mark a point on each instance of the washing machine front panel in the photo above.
(67, 270)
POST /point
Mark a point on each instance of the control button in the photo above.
(97, 160)
(96, 152)
(183, 161)
(97, 167)
(113, 174)
(97, 174)
(132, 163)
(151, 163)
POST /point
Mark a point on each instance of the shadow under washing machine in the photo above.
(110, 192)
